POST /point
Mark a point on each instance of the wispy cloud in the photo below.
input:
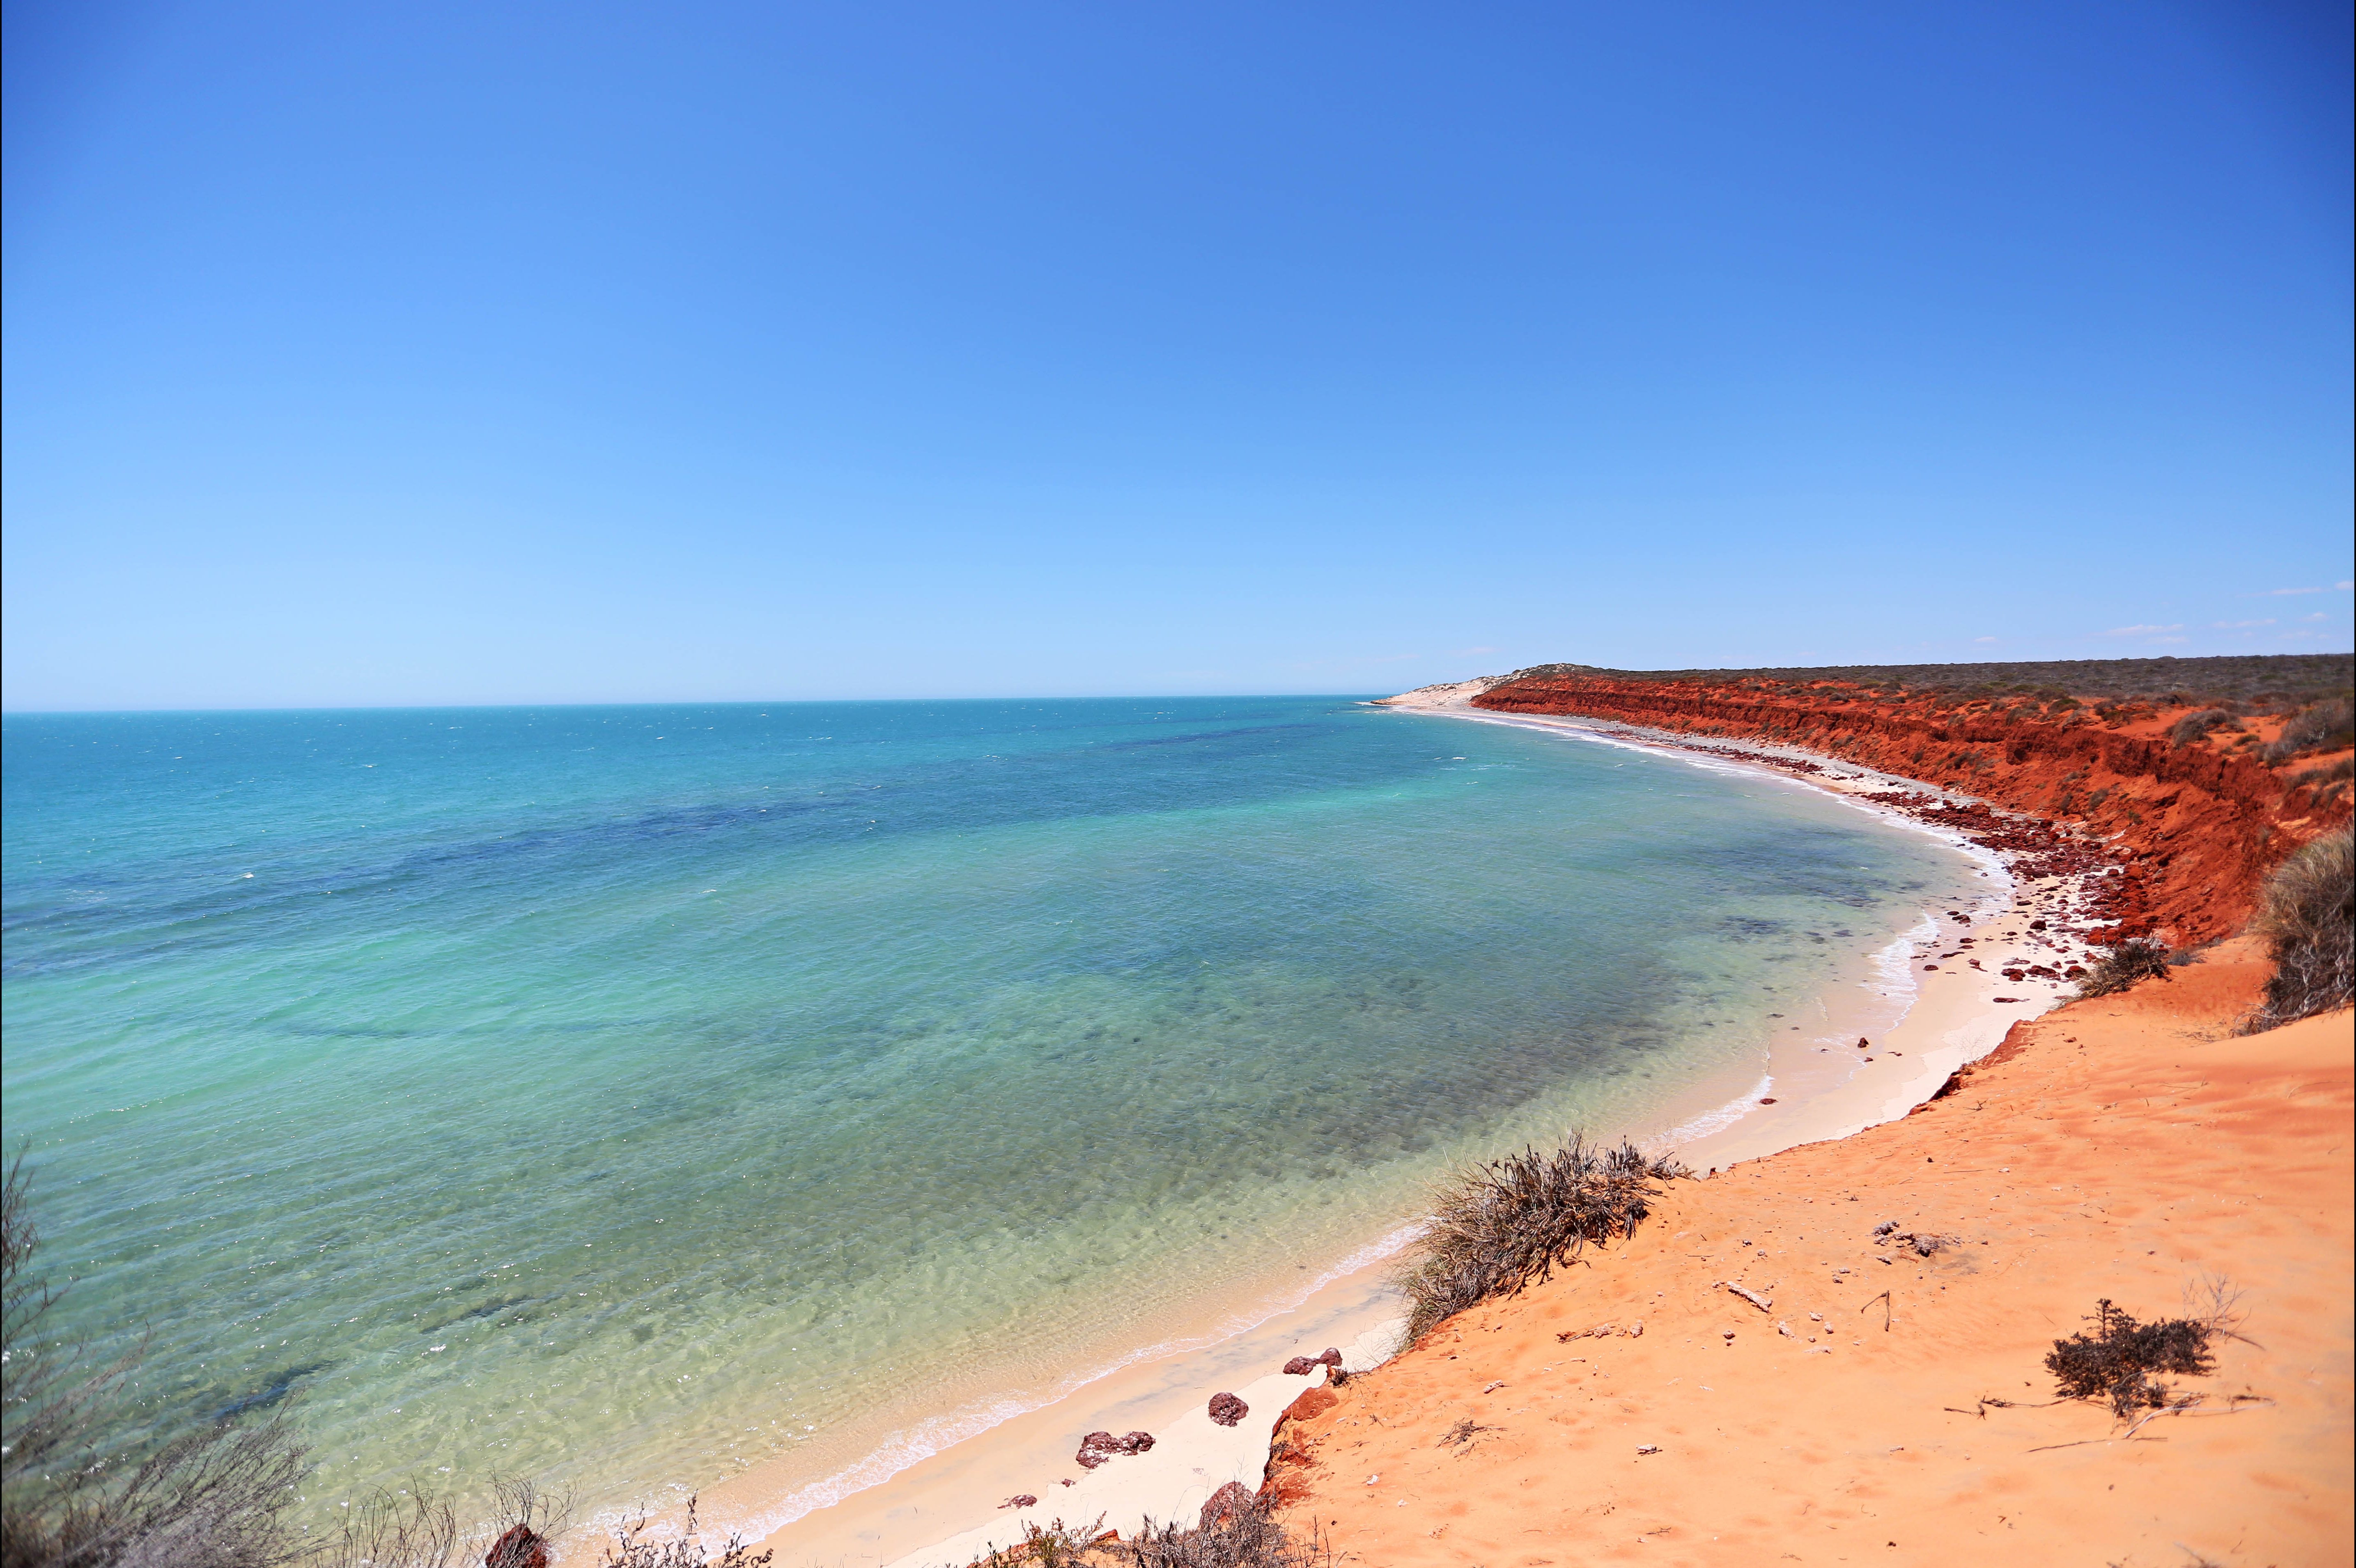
(2143, 631)
(1467, 653)
(2292, 592)
(1984, 639)
(2239, 625)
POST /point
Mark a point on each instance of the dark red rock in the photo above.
(1023, 1499)
(1768, 1101)
(1227, 1409)
(1301, 1366)
(520, 1547)
(1228, 1502)
(1331, 1356)
(1098, 1447)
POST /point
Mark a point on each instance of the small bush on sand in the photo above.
(1502, 1226)
(2122, 965)
(2116, 1362)
(1246, 1537)
(2193, 726)
(2308, 915)
(2325, 727)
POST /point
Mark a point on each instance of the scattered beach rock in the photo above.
(1021, 1500)
(520, 1547)
(1225, 1503)
(1648, 1447)
(1301, 1366)
(1098, 1447)
(1227, 1409)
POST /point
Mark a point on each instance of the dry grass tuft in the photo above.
(631, 1549)
(1500, 1227)
(2124, 964)
(1248, 1537)
(2194, 726)
(2308, 915)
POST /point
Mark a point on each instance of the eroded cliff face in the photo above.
(2195, 828)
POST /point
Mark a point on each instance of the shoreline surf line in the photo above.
(1942, 1032)
(1708, 1120)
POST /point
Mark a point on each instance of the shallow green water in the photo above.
(616, 1094)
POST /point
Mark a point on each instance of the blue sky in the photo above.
(436, 353)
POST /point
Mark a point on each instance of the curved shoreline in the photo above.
(1923, 1046)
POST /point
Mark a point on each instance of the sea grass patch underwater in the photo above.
(619, 1096)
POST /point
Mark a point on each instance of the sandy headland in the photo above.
(1837, 1354)
(1871, 1401)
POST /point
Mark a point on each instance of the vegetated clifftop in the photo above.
(2198, 813)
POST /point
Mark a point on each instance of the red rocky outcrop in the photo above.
(1098, 1447)
(2192, 830)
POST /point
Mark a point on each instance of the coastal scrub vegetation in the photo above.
(2306, 913)
(2325, 727)
(2196, 726)
(2123, 964)
(631, 1549)
(1502, 1226)
(1245, 1536)
(2329, 783)
(2251, 683)
(1239, 1530)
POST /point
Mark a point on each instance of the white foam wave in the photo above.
(1710, 1122)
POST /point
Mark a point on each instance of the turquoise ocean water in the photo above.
(618, 1095)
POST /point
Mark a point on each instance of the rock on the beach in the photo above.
(1227, 1409)
(1301, 1366)
(1332, 1358)
(1021, 1500)
(520, 1547)
(1098, 1447)
(1227, 1503)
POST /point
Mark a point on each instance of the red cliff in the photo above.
(2197, 824)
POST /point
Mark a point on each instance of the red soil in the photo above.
(2194, 828)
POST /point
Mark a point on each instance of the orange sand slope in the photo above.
(2125, 1147)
